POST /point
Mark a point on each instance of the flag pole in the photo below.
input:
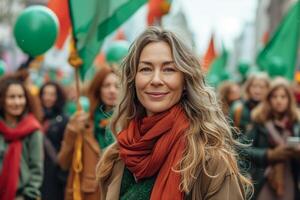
(77, 166)
(75, 62)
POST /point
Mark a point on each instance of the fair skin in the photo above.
(234, 94)
(49, 96)
(258, 89)
(158, 82)
(279, 101)
(109, 91)
(15, 103)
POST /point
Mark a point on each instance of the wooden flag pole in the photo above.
(76, 62)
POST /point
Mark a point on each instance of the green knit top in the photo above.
(132, 190)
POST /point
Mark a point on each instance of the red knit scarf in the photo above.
(9, 176)
(155, 145)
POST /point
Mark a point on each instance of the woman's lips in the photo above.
(157, 95)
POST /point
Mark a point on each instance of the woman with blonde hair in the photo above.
(255, 89)
(175, 142)
(275, 161)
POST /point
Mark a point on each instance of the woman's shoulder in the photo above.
(110, 172)
(110, 160)
(217, 179)
(215, 165)
(35, 135)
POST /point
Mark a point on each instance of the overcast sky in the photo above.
(223, 17)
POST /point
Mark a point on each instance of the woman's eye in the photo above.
(169, 69)
(145, 69)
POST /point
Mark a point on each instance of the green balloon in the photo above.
(253, 70)
(225, 75)
(117, 51)
(2, 67)
(36, 30)
(70, 108)
(85, 103)
(277, 67)
(38, 82)
(67, 81)
(243, 68)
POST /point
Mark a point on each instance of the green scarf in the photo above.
(102, 132)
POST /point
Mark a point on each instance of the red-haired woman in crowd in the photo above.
(102, 93)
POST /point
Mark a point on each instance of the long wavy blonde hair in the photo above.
(264, 112)
(209, 134)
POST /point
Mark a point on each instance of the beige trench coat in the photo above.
(224, 187)
(90, 156)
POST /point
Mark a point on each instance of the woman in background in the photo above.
(228, 93)
(255, 89)
(21, 149)
(274, 164)
(54, 121)
(102, 93)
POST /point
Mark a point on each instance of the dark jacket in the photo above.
(54, 177)
(240, 114)
(256, 156)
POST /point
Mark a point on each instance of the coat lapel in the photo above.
(91, 141)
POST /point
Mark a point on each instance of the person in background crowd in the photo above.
(255, 89)
(296, 87)
(21, 145)
(175, 142)
(53, 99)
(102, 93)
(274, 161)
(228, 93)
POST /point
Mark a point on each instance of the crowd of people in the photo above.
(154, 130)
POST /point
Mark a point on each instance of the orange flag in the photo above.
(157, 8)
(210, 55)
(61, 9)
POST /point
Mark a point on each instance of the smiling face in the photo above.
(158, 82)
(279, 100)
(15, 101)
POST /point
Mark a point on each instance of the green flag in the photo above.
(93, 20)
(279, 55)
(217, 71)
